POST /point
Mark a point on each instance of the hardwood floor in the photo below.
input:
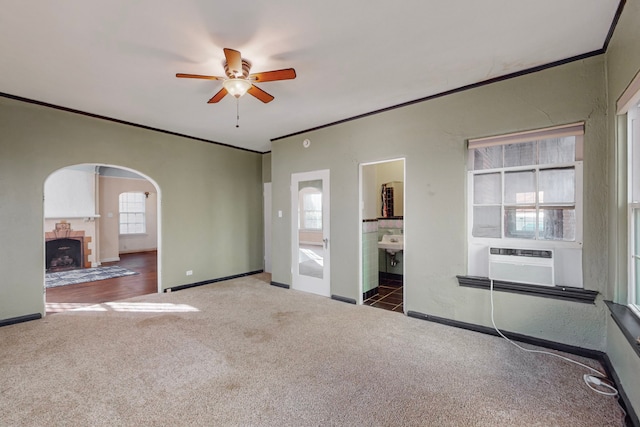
(73, 296)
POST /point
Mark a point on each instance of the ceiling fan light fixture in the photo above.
(237, 87)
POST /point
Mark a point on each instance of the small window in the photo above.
(132, 213)
(311, 209)
(524, 185)
(525, 191)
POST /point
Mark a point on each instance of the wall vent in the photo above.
(532, 266)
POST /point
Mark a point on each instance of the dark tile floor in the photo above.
(389, 296)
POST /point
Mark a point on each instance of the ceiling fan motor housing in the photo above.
(233, 74)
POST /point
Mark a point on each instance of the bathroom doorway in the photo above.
(382, 234)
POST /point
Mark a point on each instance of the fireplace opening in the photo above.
(63, 254)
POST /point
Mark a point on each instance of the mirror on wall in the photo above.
(392, 199)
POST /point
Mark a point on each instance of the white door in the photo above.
(267, 227)
(310, 230)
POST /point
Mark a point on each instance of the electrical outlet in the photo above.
(189, 272)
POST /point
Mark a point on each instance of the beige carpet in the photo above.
(243, 353)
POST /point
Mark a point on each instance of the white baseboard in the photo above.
(110, 259)
(135, 251)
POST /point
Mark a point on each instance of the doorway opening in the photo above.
(116, 244)
(382, 234)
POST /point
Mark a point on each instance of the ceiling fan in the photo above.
(238, 80)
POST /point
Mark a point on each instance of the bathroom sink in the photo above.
(392, 243)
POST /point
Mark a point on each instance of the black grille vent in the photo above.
(532, 253)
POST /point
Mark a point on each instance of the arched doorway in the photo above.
(109, 260)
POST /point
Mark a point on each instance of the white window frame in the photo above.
(633, 202)
(140, 214)
(629, 104)
(570, 253)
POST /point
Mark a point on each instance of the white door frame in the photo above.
(360, 219)
(319, 286)
(267, 227)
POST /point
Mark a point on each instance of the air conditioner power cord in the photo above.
(590, 380)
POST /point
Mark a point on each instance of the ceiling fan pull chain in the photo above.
(237, 112)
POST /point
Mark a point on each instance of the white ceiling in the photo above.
(118, 58)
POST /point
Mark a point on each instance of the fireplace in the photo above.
(63, 254)
(66, 249)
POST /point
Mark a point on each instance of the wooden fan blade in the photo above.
(198, 76)
(234, 61)
(269, 76)
(218, 96)
(260, 94)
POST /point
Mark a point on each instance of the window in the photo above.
(526, 186)
(132, 213)
(525, 192)
(311, 209)
(633, 137)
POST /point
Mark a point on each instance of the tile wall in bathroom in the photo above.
(369, 255)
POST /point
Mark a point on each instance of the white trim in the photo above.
(633, 144)
(574, 129)
(631, 289)
(630, 96)
(267, 208)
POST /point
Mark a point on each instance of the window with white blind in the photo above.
(132, 213)
(311, 209)
(525, 191)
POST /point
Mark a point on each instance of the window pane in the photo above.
(487, 158)
(557, 150)
(520, 223)
(132, 212)
(313, 220)
(486, 221)
(522, 154)
(520, 188)
(312, 202)
(558, 224)
(487, 189)
(557, 185)
(637, 282)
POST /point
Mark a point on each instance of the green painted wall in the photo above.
(211, 213)
(266, 167)
(623, 63)
(432, 137)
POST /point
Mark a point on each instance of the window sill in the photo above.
(555, 292)
(628, 323)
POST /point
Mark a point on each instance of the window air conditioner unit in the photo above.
(532, 266)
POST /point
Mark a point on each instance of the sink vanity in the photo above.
(392, 243)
